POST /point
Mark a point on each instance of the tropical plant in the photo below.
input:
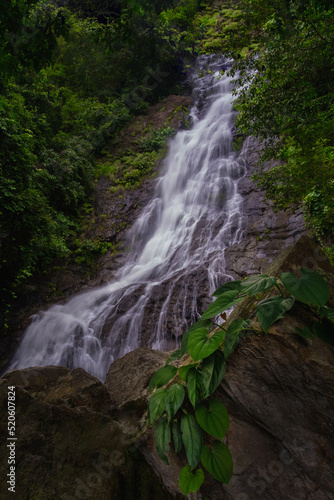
(156, 138)
(182, 407)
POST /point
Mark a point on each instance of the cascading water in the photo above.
(177, 249)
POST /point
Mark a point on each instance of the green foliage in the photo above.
(174, 399)
(194, 386)
(192, 438)
(224, 28)
(284, 96)
(224, 302)
(190, 482)
(186, 406)
(72, 77)
(157, 138)
(136, 168)
(156, 405)
(28, 35)
(310, 289)
(212, 372)
(200, 345)
(133, 165)
(233, 335)
(177, 436)
(33, 231)
(214, 420)
(86, 251)
(183, 371)
(271, 309)
(257, 284)
(218, 461)
(323, 332)
(162, 437)
(162, 376)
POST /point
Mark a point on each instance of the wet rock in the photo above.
(127, 384)
(266, 231)
(71, 443)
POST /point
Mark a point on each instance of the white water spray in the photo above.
(177, 248)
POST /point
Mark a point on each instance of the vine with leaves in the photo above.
(182, 408)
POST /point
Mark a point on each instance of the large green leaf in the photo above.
(213, 420)
(194, 386)
(200, 345)
(310, 289)
(224, 302)
(156, 405)
(184, 343)
(183, 371)
(162, 376)
(237, 325)
(174, 356)
(162, 438)
(190, 482)
(230, 285)
(272, 309)
(218, 462)
(213, 371)
(206, 323)
(192, 438)
(174, 399)
(257, 284)
(177, 436)
(234, 335)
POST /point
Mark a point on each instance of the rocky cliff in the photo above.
(79, 438)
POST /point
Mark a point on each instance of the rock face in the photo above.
(127, 383)
(267, 231)
(76, 436)
(71, 442)
(279, 394)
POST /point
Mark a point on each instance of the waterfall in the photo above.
(176, 256)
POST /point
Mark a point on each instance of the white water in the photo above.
(177, 245)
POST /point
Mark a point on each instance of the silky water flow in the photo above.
(195, 213)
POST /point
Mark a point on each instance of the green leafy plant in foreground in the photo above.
(181, 406)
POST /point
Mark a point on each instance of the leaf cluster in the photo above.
(182, 407)
(284, 95)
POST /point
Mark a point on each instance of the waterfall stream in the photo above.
(177, 248)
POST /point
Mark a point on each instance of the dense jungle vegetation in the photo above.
(74, 73)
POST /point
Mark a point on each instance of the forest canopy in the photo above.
(72, 75)
(284, 53)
